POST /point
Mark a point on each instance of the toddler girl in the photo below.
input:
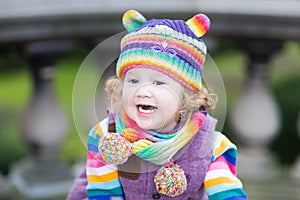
(158, 142)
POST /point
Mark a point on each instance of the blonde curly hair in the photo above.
(191, 100)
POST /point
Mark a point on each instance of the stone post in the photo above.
(43, 127)
(255, 117)
(5, 190)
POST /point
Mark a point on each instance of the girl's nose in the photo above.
(144, 91)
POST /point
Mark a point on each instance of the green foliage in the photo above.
(286, 144)
(286, 83)
(14, 93)
(11, 145)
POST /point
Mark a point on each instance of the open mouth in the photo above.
(147, 109)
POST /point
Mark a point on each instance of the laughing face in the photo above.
(151, 99)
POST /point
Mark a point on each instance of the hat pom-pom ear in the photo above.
(199, 24)
(133, 20)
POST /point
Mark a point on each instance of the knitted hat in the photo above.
(173, 47)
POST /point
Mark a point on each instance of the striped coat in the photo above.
(219, 180)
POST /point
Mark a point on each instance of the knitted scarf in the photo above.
(159, 148)
(154, 147)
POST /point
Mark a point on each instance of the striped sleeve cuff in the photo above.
(221, 181)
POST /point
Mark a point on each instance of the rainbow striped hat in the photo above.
(173, 47)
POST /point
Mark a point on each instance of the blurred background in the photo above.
(254, 44)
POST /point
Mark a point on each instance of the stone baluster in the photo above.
(5, 190)
(295, 172)
(255, 117)
(43, 127)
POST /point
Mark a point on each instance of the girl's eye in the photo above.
(133, 81)
(158, 83)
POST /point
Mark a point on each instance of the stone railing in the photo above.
(45, 31)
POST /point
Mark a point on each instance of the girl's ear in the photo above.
(133, 20)
(199, 24)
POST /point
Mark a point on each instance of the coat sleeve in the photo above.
(78, 191)
(221, 181)
(102, 179)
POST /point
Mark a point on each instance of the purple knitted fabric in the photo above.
(178, 25)
(78, 191)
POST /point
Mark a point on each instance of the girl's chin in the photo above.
(149, 121)
(152, 126)
(146, 125)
